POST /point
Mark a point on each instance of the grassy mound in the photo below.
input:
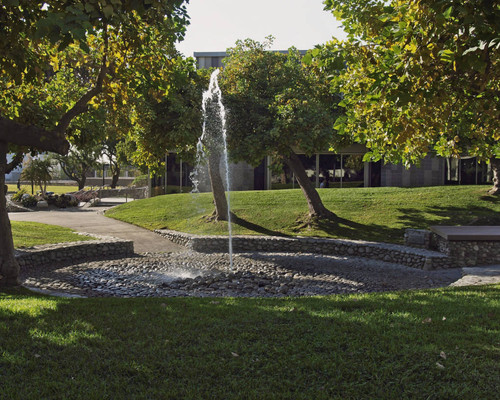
(27, 234)
(379, 214)
(433, 344)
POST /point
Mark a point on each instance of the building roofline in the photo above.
(224, 53)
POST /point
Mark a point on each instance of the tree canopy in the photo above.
(278, 106)
(57, 56)
(418, 77)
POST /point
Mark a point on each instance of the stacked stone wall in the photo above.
(469, 253)
(103, 248)
(416, 258)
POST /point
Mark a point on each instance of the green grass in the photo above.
(59, 189)
(28, 234)
(379, 214)
(383, 346)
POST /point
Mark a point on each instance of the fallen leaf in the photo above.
(442, 355)
(427, 321)
(235, 354)
(439, 365)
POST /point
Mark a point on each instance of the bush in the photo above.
(18, 196)
(28, 200)
(66, 200)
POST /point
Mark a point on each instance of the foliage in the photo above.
(172, 120)
(383, 346)
(418, 76)
(61, 200)
(79, 162)
(19, 194)
(373, 214)
(28, 200)
(38, 171)
(277, 105)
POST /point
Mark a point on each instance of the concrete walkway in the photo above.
(92, 220)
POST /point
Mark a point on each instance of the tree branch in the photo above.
(32, 136)
(16, 161)
(81, 105)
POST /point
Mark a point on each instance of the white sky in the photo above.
(217, 24)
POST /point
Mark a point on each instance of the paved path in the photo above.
(93, 221)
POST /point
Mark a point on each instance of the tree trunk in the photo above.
(9, 268)
(81, 181)
(495, 168)
(314, 203)
(217, 184)
(116, 176)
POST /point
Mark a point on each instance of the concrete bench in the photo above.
(468, 245)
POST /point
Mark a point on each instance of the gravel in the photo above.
(210, 275)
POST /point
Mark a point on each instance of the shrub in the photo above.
(18, 196)
(65, 200)
(28, 200)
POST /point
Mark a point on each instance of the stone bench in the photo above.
(468, 245)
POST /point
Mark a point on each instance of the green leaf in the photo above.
(447, 55)
(307, 59)
(108, 11)
(448, 11)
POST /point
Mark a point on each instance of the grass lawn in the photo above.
(59, 189)
(435, 344)
(378, 214)
(27, 234)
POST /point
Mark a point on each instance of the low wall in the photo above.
(469, 253)
(416, 258)
(464, 253)
(104, 247)
(133, 193)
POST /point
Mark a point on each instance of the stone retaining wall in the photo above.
(463, 253)
(469, 253)
(104, 247)
(133, 192)
(416, 258)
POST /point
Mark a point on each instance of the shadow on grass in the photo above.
(408, 218)
(347, 229)
(370, 346)
(254, 227)
(438, 215)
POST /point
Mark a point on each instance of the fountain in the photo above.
(212, 149)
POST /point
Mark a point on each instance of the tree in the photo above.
(122, 43)
(174, 121)
(278, 106)
(78, 163)
(419, 76)
(39, 172)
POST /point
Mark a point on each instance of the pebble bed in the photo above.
(209, 275)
